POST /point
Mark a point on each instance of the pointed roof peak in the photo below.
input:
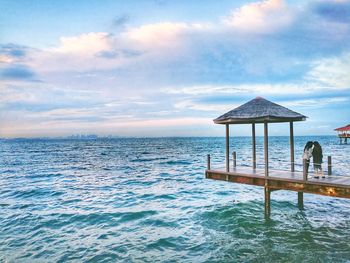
(259, 110)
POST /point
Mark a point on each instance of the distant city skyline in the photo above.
(168, 68)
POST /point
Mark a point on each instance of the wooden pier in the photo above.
(336, 186)
(263, 111)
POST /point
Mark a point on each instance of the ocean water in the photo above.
(146, 200)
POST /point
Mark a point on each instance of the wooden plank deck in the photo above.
(338, 186)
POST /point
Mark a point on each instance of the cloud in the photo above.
(252, 89)
(107, 54)
(121, 20)
(337, 11)
(86, 44)
(161, 35)
(13, 50)
(206, 51)
(206, 107)
(314, 102)
(12, 53)
(310, 103)
(40, 97)
(260, 17)
(333, 72)
(17, 72)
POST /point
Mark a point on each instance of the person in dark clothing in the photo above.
(317, 158)
(308, 154)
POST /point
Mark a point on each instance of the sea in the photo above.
(147, 200)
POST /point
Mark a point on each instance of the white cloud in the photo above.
(254, 89)
(85, 44)
(6, 59)
(160, 35)
(333, 72)
(225, 107)
(260, 17)
(191, 105)
(150, 43)
(314, 103)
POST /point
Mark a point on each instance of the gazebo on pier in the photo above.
(262, 111)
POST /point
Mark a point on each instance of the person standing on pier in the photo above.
(317, 158)
(308, 154)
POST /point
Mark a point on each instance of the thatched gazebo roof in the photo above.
(259, 110)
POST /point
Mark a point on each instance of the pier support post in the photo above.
(234, 156)
(208, 162)
(301, 200)
(305, 170)
(254, 145)
(329, 165)
(267, 202)
(266, 150)
(292, 167)
(227, 148)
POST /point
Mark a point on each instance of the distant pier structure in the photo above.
(262, 111)
(343, 134)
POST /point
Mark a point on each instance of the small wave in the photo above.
(160, 223)
(164, 174)
(37, 193)
(57, 221)
(162, 244)
(148, 159)
(180, 162)
(8, 171)
(166, 196)
(45, 175)
(130, 216)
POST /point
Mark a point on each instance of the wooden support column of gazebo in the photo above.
(254, 145)
(262, 111)
(227, 148)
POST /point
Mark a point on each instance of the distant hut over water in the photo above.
(343, 133)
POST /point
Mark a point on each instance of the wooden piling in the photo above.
(267, 202)
(304, 170)
(301, 200)
(329, 165)
(208, 162)
(234, 157)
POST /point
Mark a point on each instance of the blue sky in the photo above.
(167, 68)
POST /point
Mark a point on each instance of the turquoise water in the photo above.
(146, 200)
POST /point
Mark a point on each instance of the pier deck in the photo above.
(337, 186)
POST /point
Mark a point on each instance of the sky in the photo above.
(168, 68)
